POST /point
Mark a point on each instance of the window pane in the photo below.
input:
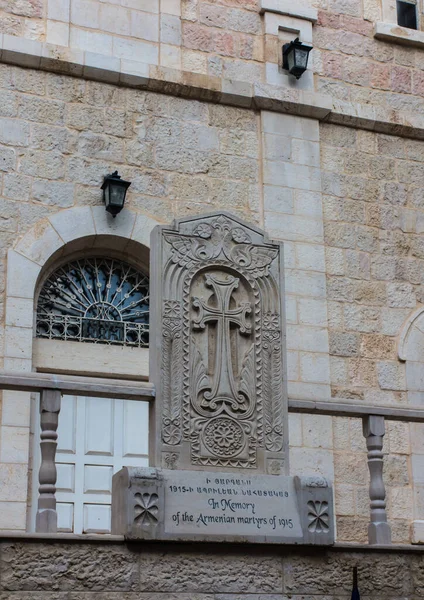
(407, 14)
(96, 300)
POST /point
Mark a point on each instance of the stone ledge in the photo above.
(22, 536)
(390, 32)
(258, 96)
(58, 537)
(291, 9)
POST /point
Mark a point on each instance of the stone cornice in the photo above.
(259, 96)
(396, 34)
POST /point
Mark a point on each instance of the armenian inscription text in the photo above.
(226, 503)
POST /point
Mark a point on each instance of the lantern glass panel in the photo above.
(291, 59)
(116, 194)
(301, 57)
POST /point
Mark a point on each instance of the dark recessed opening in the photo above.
(407, 14)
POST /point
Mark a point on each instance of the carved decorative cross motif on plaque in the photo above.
(224, 389)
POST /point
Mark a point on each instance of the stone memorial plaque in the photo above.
(210, 506)
(220, 504)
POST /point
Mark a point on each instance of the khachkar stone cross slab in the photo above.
(216, 347)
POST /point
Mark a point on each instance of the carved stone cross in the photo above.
(216, 347)
(224, 388)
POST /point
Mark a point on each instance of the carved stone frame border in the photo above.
(175, 455)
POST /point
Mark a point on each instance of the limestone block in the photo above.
(15, 409)
(334, 261)
(312, 311)
(344, 344)
(14, 444)
(317, 431)
(309, 462)
(309, 391)
(310, 257)
(365, 319)
(14, 132)
(417, 532)
(18, 342)
(417, 462)
(7, 159)
(111, 568)
(170, 56)
(312, 339)
(53, 193)
(101, 43)
(128, 48)
(350, 467)
(171, 7)
(396, 471)
(57, 33)
(338, 371)
(145, 26)
(25, 273)
(115, 20)
(71, 225)
(400, 295)
(305, 283)
(292, 366)
(40, 243)
(398, 434)
(19, 312)
(13, 482)
(58, 10)
(290, 125)
(293, 227)
(144, 5)
(277, 147)
(48, 165)
(391, 375)
(295, 429)
(291, 309)
(13, 516)
(308, 204)
(314, 367)
(344, 499)
(401, 503)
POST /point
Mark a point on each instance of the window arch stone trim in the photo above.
(31, 253)
(406, 332)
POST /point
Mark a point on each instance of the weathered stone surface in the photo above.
(59, 567)
(387, 574)
(192, 572)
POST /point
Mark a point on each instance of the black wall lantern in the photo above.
(114, 192)
(295, 57)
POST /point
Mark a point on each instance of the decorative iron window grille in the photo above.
(97, 300)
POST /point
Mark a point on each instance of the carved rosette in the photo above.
(222, 384)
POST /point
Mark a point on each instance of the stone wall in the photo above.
(352, 252)
(79, 571)
(59, 137)
(373, 214)
(229, 39)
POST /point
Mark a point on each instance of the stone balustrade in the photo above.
(51, 387)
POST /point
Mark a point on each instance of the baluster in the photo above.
(46, 519)
(378, 530)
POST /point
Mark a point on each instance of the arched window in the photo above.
(102, 302)
(95, 299)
